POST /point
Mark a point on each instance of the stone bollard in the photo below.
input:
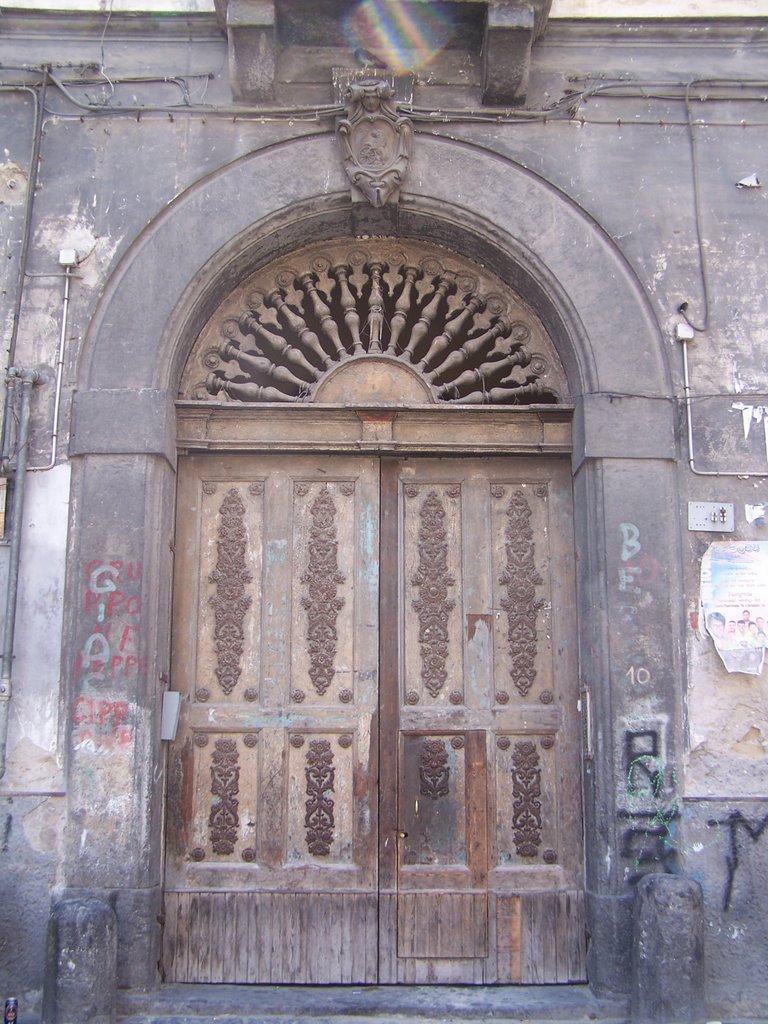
(81, 963)
(668, 951)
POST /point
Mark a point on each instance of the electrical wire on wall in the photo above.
(570, 108)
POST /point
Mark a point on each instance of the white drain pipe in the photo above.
(26, 379)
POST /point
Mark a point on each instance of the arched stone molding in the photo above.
(262, 205)
(545, 246)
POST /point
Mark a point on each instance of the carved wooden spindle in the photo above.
(497, 373)
(262, 366)
(423, 325)
(375, 308)
(246, 391)
(473, 350)
(277, 347)
(534, 392)
(351, 317)
(309, 340)
(445, 341)
(322, 311)
(403, 305)
(493, 373)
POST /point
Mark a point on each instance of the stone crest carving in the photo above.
(376, 143)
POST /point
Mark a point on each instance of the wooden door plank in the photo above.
(571, 927)
(550, 938)
(175, 936)
(509, 939)
(387, 926)
(442, 925)
(327, 915)
(203, 935)
(477, 807)
(441, 972)
(242, 940)
(389, 673)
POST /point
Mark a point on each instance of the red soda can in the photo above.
(11, 1011)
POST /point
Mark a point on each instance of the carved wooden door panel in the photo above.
(271, 872)
(299, 582)
(480, 842)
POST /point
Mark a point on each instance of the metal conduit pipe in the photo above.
(68, 267)
(26, 379)
(684, 337)
(38, 97)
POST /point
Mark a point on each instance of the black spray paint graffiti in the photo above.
(736, 823)
(653, 806)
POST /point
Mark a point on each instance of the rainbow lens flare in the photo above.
(399, 35)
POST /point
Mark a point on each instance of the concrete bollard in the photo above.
(668, 951)
(81, 964)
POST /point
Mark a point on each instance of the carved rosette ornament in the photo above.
(375, 142)
(223, 820)
(318, 820)
(322, 603)
(521, 605)
(526, 803)
(230, 601)
(434, 770)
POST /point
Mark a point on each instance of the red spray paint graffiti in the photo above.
(111, 610)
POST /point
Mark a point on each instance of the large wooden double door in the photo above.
(376, 774)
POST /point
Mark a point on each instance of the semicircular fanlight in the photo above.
(292, 327)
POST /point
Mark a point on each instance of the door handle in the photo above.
(401, 834)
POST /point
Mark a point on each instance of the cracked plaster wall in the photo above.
(104, 181)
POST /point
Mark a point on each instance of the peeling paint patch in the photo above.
(13, 184)
(751, 744)
(43, 825)
(73, 231)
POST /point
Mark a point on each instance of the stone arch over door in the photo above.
(123, 436)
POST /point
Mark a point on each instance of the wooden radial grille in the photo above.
(423, 314)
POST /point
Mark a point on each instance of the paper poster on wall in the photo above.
(734, 602)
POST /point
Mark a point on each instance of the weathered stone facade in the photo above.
(604, 190)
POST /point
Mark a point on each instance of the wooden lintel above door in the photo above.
(427, 430)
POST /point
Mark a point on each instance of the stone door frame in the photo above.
(123, 449)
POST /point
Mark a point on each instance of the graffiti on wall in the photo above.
(109, 655)
(637, 573)
(648, 803)
(738, 826)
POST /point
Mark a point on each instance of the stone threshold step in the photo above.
(331, 1004)
(151, 1018)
